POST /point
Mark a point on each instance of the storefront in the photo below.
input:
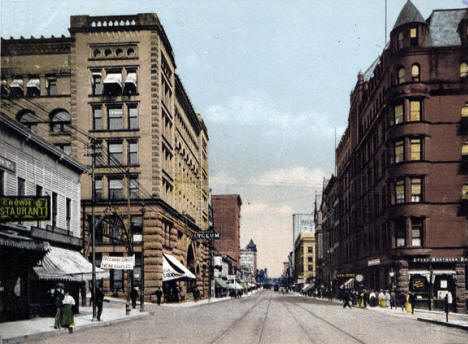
(174, 272)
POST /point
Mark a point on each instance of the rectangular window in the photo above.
(416, 189)
(400, 40)
(400, 191)
(97, 119)
(416, 149)
(415, 110)
(137, 269)
(310, 267)
(51, 87)
(414, 36)
(465, 192)
(136, 224)
(98, 161)
(97, 84)
(309, 249)
(65, 147)
(400, 233)
(416, 232)
(116, 279)
(115, 119)
(2, 183)
(398, 114)
(133, 188)
(54, 209)
(133, 153)
(21, 186)
(68, 213)
(132, 118)
(399, 151)
(115, 189)
(98, 189)
(115, 154)
(309, 259)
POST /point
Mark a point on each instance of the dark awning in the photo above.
(18, 241)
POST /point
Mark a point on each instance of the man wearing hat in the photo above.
(59, 294)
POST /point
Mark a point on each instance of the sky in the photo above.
(271, 79)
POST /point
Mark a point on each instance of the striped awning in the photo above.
(221, 283)
(21, 242)
(68, 265)
(113, 78)
(173, 270)
(34, 83)
(17, 83)
(131, 78)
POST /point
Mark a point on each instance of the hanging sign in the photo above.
(206, 235)
(24, 208)
(118, 263)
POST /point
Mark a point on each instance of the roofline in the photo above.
(50, 149)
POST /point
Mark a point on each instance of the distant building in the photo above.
(226, 222)
(248, 262)
(304, 255)
(402, 163)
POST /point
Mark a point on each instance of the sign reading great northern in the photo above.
(24, 208)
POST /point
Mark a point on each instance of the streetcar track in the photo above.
(265, 319)
(330, 324)
(238, 320)
(300, 325)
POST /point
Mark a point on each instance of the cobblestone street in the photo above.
(268, 317)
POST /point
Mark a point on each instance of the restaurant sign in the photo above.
(24, 208)
(441, 260)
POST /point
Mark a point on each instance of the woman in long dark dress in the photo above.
(68, 320)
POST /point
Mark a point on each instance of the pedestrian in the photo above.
(347, 299)
(362, 302)
(381, 299)
(408, 304)
(412, 299)
(67, 319)
(388, 303)
(134, 296)
(392, 299)
(158, 295)
(373, 299)
(59, 294)
(99, 302)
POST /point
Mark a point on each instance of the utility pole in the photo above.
(93, 229)
(130, 246)
(142, 273)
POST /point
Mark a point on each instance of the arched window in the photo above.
(28, 119)
(401, 76)
(463, 70)
(415, 73)
(60, 122)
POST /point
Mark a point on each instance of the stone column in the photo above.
(402, 283)
(460, 298)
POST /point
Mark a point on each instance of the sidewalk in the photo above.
(41, 328)
(437, 317)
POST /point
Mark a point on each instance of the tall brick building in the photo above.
(113, 81)
(402, 162)
(226, 221)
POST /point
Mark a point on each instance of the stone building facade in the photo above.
(113, 83)
(304, 255)
(401, 162)
(248, 262)
(226, 222)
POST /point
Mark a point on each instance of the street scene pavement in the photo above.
(269, 317)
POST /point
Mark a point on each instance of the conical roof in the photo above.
(409, 14)
(251, 246)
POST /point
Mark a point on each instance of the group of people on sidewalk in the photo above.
(382, 299)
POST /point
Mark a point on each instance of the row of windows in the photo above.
(415, 74)
(59, 121)
(112, 118)
(110, 84)
(113, 52)
(115, 154)
(399, 151)
(33, 87)
(415, 193)
(115, 187)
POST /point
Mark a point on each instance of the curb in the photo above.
(443, 323)
(55, 333)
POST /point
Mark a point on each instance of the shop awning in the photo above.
(349, 284)
(34, 83)
(173, 270)
(113, 78)
(21, 242)
(17, 83)
(131, 79)
(221, 283)
(62, 264)
(307, 287)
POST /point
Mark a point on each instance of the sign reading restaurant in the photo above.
(441, 260)
(24, 208)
